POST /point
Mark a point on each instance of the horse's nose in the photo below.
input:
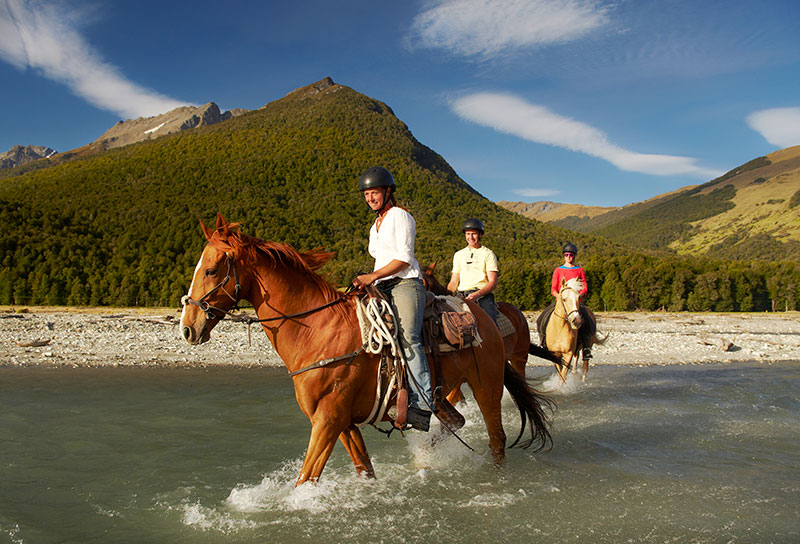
(188, 334)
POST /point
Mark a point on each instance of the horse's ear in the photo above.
(221, 222)
(206, 231)
(563, 283)
(429, 269)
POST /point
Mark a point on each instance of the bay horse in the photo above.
(517, 344)
(309, 322)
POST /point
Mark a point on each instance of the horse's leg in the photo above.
(585, 365)
(320, 446)
(488, 396)
(573, 352)
(486, 383)
(563, 370)
(487, 387)
(353, 442)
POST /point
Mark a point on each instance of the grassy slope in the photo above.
(753, 218)
(761, 208)
(550, 212)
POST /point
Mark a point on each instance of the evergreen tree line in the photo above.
(61, 263)
(644, 282)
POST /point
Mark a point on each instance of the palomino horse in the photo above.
(561, 333)
(517, 344)
(309, 323)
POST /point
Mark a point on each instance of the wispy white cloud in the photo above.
(38, 36)
(535, 193)
(489, 27)
(511, 115)
(779, 126)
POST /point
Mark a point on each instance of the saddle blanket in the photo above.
(505, 325)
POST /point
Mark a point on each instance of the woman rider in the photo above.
(567, 271)
(397, 275)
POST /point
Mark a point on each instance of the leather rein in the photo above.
(569, 314)
(212, 313)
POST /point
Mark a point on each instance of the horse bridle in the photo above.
(203, 302)
(209, 309)
(569, 314)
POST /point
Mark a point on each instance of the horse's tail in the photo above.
(542, 353)
(533, 407)
(599, 341)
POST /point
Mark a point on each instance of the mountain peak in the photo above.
(315, 90)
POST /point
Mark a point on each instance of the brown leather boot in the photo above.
(448, 415)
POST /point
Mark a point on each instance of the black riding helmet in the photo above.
(376, 176)
(472, 224)
(569, 247)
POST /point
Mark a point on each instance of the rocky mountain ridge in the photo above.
(147, 128)
(19, 155)
(127, 132)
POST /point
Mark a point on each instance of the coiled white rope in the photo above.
(379, 334)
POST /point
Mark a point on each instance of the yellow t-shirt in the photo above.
(472, 267)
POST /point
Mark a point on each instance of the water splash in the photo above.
(572, 385)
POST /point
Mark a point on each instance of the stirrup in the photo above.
(448, 415)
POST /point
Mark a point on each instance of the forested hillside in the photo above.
(121, 227)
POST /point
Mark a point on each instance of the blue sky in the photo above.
(592, 102)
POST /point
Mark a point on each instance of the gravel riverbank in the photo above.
(103, 337)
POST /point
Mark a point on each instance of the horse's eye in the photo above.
(211, 271)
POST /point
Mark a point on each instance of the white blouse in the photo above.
(395, 240)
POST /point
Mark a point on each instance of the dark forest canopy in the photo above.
(121, 228)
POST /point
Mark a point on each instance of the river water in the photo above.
(698, 453)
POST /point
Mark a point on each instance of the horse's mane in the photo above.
(575, 283)
(431, 282)
(228, 237)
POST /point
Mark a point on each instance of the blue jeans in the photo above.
(486, 302)
(408, 302)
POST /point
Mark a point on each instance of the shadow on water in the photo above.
(649, 454)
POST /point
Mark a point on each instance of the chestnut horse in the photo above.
(309, 323)
(517, 344)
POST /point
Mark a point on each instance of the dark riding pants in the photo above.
(486, 302)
